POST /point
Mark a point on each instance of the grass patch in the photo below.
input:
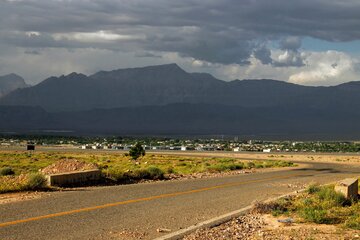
(6, 171)
(319, 204)
(121, 168)
(29, 182)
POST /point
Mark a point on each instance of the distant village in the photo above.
(168, 144)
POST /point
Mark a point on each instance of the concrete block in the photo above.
(348, 187)
(74, 178)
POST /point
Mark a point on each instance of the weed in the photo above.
(155, 172)
(276, 208)
(323, 205)
(6, 171)
(353, 222)
(313, 188)
(170, 170)
(36, 181)
(314, 215)
(249, 165)
(22, 183)
(330, 196)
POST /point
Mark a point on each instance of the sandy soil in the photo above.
(22, 196)
(344, 158)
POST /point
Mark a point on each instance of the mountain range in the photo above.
(166, 100)
(11, 82)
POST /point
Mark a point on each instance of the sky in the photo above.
(308, 42)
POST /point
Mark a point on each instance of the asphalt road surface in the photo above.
(117, 212)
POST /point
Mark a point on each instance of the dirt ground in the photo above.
(344, 158)
(267, 227)
(22, 196)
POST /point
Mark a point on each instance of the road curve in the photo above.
(117, 212)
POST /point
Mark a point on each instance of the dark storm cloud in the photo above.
(32, 52)
(147, 55)
(263, 54)
(215, 31)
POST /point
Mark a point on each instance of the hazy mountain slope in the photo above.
(27, 119)
(284, 122)
(10, 82)
(156, 85)
(168, 84)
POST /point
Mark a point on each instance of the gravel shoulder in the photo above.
(266, 227)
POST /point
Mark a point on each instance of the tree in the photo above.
(136, 151)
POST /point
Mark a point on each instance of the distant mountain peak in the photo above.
(166, 67)
(167, 84)
(75, 74)
(11, 82)
(161, 66)
(12, 75)
(169, 70)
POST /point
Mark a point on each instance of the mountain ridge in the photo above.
(165, 84)
(11, 82)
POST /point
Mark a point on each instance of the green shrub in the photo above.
(136, 151)
(236, 166)
(22, 182)
(155, 172)
(151, 172)
(313, 188)
(282, 206)
(353, 222)
(12, 183)
(260, 165)
(6, 171)
(36, 181)
(218, 168)
(312, 214)
(170, 170)
(328, 194)
(140, 174)
(117, 176)
(249, 165)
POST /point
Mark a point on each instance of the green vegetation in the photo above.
(150, 173)
(136, 151)
(319, 204)
(34, 181)
(121, 169)
(5, 171)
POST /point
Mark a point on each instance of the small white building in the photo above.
(85, 147)
(237, 149)
(266, 150)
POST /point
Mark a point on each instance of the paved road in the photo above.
(106, 212)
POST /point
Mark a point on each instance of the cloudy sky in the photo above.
(309, 42)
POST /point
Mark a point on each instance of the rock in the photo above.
(160, 230)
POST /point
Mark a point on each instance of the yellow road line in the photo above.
(5, 224)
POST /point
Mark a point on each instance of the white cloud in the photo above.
(326, 68)
(32, 34)
(99, 36)
(290, 58)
